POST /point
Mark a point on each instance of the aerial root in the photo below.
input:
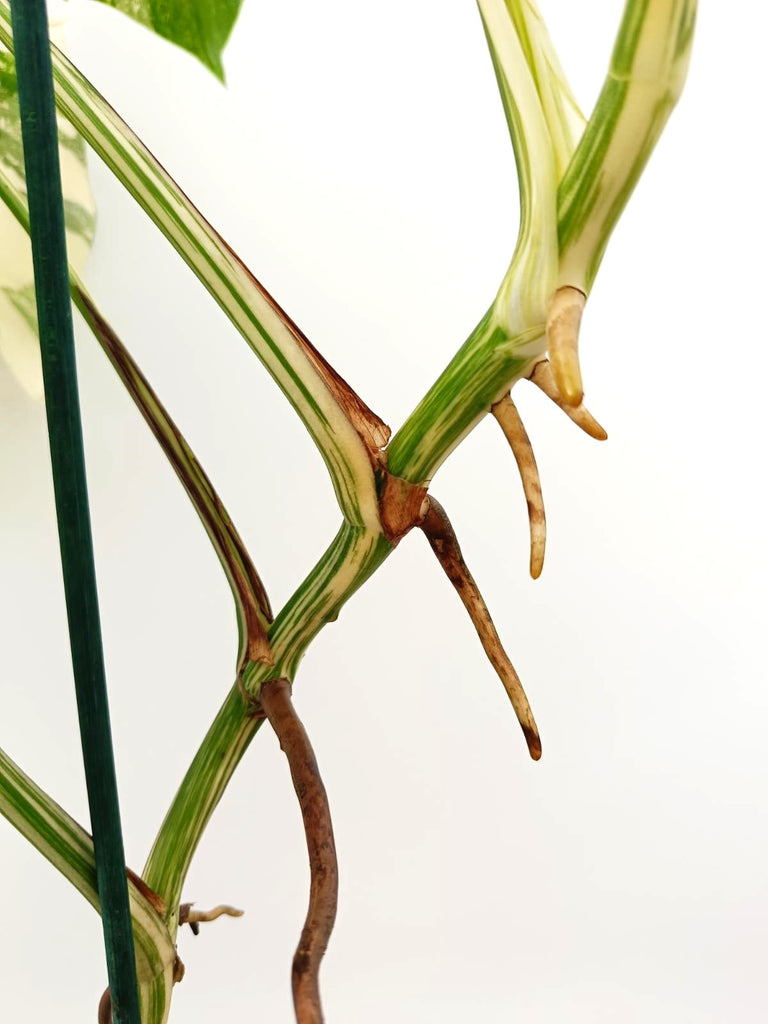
(275, 697)
(563, 323)
(510, 422)
(442, 539)
(544, 378)
(194, 918)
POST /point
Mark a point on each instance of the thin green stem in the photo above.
(483, 369)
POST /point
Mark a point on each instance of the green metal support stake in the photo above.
(54, 313)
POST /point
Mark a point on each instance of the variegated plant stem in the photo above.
(646, 76)
(342, 427)
(556, 231)
(564, 118)
(504, 347)
(352, 557)
(511, 336)
(70, 849)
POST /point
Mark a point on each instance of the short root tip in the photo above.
(534, 744)
(563, 325)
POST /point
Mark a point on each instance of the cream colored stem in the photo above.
(514, 430)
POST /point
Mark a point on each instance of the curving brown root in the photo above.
(439, 532)
(563, 323)
(275, 697)
(510, 422)
(544, 379)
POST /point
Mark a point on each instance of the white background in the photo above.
(359, 163)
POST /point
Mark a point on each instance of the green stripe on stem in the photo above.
(645, 78)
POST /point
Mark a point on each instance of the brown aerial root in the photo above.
(510, 422)
(563, 323)
(275, 697)
(104, 1013)
(194, 918)
(544, 379)
(439, 532)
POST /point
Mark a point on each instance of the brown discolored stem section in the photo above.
(544, 379)
(245, 581)
(442, 539)
(275, 698)
(508, 418)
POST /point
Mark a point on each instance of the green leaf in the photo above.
(18, 318)
(201, 27)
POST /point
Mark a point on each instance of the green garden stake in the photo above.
(46, 210)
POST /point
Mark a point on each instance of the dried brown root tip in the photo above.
(324, 872)
(533, 740)
(563, 324)
(543, 377)
(442, 539)
(508, 418)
